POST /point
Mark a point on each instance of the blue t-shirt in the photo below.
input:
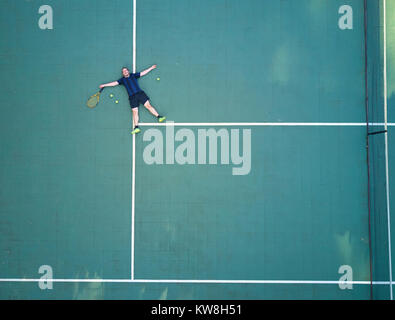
(130, 83)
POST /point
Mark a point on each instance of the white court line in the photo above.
(386, 146)
(133, 201)
(264, 124)
(134, 34)
(133, 152)
(186, 281)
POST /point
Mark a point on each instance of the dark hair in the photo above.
(125, 68)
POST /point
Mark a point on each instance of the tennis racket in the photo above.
(94, 100)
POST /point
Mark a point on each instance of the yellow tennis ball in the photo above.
(116, 101)
(158, 79)
(111, 95)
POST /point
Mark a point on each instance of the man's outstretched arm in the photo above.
(143, 73)
(110, 84)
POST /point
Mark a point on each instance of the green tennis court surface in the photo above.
(78, 195)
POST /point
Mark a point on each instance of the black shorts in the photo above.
(137, 98)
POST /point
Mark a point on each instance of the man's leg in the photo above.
(136, 128)
(151, 109)
(135, 117)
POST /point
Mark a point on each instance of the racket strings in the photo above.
(93, 100)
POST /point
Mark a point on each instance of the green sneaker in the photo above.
(136, 130)
(161, 119)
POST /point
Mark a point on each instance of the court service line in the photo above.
(264, 124)
(187, 281)
(133, 151)
(386, 145)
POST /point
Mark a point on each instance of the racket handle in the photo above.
(101, 90)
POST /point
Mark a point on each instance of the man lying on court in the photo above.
(136, 95)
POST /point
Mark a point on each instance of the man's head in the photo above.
(125, 72)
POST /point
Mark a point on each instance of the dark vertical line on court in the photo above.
(367, 145)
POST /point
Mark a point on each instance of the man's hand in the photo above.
(153, 67)
(101, 86)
